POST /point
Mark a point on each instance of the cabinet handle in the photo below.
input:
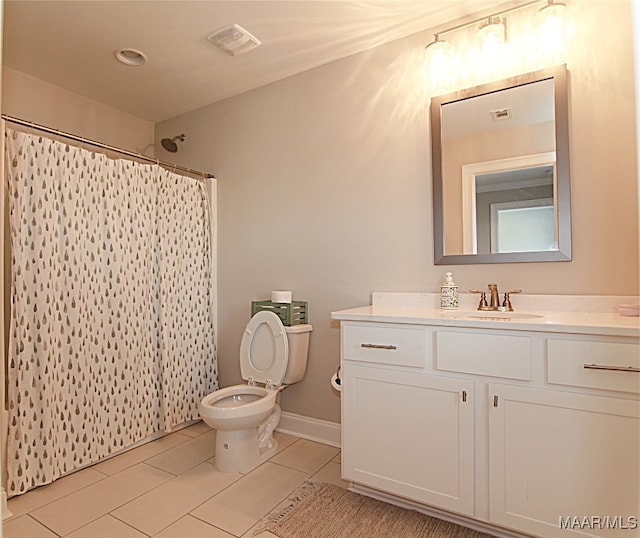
(612, 368)
(495, 400)
(377, 346)
(464, 395)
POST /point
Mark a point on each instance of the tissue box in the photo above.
(293, 313)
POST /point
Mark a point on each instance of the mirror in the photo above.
(500, 157)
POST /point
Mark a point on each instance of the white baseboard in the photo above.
(310, 428)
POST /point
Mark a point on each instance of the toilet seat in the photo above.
(264, 350)
(238, 402)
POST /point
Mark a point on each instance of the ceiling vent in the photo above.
(501, 114)
(234, 39)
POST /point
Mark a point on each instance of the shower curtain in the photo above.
(112, 315)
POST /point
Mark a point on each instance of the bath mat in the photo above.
(320, 510)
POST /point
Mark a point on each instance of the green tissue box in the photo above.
(293, 313)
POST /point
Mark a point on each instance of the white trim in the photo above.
(310, 428)
(469, 226)
(435, 512)
(469, 173)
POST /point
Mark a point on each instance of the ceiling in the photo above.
(527, 104)
(71, 43)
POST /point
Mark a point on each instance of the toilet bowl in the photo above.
(245, 416)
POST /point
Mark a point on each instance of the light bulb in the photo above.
(439, 58)
(551, 24)
(492, 33)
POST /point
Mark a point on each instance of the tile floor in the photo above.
(169, 488)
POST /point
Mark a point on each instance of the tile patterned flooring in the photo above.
(169, 488)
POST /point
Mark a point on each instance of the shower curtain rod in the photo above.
(140, 156)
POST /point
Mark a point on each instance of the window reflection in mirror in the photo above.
(514, 192)
(500, 171)
(509, 205)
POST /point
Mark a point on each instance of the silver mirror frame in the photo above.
(559, 76)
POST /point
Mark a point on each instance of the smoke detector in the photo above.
(234, 39)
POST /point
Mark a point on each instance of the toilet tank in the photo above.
(298, 339)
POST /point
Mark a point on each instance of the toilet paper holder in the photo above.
(336, 382)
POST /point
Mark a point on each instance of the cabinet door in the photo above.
(409, 434)
(562, 462)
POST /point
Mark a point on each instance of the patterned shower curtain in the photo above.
(112, 329)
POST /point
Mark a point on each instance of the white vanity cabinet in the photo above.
(411, 435)
(499, 427)
(557, 455)
(405, 432)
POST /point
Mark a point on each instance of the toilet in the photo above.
(272, 356)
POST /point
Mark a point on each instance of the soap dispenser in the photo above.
(449, 293)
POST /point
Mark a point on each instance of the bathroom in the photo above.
(350, 164)
(338, 157)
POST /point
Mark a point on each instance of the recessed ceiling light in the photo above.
(130, 56)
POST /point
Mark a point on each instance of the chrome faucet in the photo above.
(494, 299)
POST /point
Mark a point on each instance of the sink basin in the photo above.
(501, 315)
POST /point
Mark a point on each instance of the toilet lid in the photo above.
(264, 350)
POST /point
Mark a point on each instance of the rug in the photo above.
(320, 510)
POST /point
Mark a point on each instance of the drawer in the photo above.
(384, 344)
(596, 365)
(493, 355)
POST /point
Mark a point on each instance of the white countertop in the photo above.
(422, 312)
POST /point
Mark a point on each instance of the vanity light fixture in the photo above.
(550, 20)
(437, 45)
(552, 11)
(493, 32)
(438, 55)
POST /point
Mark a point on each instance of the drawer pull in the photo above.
(377, 346)
(612, 368)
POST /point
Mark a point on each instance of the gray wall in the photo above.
(325, 189)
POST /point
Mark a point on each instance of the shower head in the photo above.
(170, 143)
